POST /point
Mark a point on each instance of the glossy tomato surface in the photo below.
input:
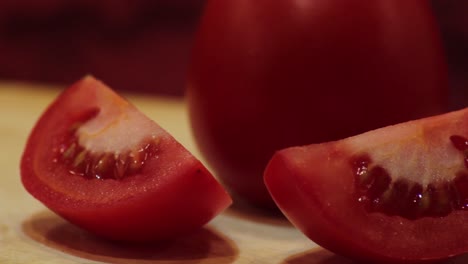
(267, 74)
(97, 161)
(395, 194)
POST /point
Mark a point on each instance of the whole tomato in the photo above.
(266, 75)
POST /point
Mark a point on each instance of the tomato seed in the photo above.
(70, 151)
(105, 165)
(415, 203)
(460, 184)
(397, 200)
(441, 201)
(376, 190)
(381, 182)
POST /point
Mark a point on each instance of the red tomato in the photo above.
(97, 161)
(395, 194)
(271, 74)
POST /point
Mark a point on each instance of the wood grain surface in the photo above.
(30, 233)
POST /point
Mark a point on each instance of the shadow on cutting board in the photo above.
(317, 256)
(323, 256)
(203, 246)
(243, 210)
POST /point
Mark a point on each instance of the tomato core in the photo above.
(82, 162)
(98, 164)
(378, 192)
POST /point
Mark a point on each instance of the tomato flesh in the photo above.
(165, 194)
(267, 75)
(321, 190)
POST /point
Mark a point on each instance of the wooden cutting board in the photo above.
(30, 233)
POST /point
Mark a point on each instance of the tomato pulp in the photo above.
(98, 162)
(395, 194)
(266, 75)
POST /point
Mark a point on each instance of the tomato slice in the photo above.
(395, 194)
(98, 162)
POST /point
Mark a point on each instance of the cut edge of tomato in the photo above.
(58, 200)
(283, 172)
(289, 194)
(194, 205)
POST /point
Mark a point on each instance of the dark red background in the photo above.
(140, 45)
(144, 45)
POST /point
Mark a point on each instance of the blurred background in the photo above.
(138, 45)
(144, 45)
(452, 16)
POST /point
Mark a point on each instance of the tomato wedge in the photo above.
(98, 162)
(395, 194)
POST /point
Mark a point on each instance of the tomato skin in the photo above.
(172, 195)
(315, 189)
(266, 75)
